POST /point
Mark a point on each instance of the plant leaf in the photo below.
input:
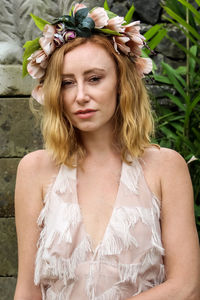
(108, 31)
(152, 31)
(106, 7)
(198, 2)
(30, 47)
(110, 14)
(175, 100)
(157, 39)
(183, 49)
(40, 23)
(161, 78)
(129, 15)
(182, 22)
(192, 9)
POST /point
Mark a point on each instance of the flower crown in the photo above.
(81, 22)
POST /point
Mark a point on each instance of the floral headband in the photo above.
(81, 22)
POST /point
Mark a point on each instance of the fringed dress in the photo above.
(128, 260)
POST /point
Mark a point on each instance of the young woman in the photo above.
(101, 213)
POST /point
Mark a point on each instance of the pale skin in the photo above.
(93, 84)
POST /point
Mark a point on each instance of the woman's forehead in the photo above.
(87, 56)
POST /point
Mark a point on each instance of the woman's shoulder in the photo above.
(37, 162)
(164, 161)
(163, 156)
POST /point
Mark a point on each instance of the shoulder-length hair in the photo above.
(133, 118)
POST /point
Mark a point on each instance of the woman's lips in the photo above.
(85, 114)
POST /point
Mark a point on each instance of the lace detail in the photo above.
(128, 260)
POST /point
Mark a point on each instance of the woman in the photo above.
(100, 192)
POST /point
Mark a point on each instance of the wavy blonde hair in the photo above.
(133, 118)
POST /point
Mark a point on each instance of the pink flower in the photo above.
(37, 94)
(116, 24)
(133, 32)
(47, 41)
(77, 7)
(99, 16)
(120, 43)
(143, 65)
(38, 63)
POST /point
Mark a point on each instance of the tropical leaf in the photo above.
(161, 78)
(129, 15)
(106, 7)
(30, 47)
(192, 9)
(110, 14)
(40, 23)
(152, 31)
(157, 38)
(108, 31)
(175, 100)
(182, 22)
(184, 49)
(175, 79)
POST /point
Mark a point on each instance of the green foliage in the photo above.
(30, 47)
(40, 23)
(106, 7)
(129, 15)
(179, 124)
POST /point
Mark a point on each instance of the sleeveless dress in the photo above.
(128, 260)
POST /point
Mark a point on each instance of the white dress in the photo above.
(129, 259)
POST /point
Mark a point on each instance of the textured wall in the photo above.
(18, 131)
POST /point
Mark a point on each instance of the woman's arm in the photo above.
(28, 204)
(179, 235)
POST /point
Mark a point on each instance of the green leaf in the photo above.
(152, 31)
(173, 76)
(192, 62)
(183, 49)
(40, 23)
(106, 7)
(182, 22)
(198, 2)
(175, 100)
(181, 70)
(129, 15)
(108, 31)
(187, 34)
(157, 39)
(30, 47)
(192, 9)
(161, 78)
(168, 133)
(194, 103)
(110, 14)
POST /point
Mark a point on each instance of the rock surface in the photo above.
(8, 167)
(7, 288)
(8, 247)
(19, 133)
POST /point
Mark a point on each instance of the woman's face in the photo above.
(89, 87)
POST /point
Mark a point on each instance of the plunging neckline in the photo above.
(94, 247)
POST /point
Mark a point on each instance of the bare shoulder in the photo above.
(37, 167)
(37, 162)
(164, 158)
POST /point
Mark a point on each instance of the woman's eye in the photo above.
(95, 79)
(67, 83)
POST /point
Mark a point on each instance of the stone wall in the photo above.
(19, 133)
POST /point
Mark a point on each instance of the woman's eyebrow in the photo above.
(86, 72)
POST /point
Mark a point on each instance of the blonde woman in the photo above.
(101, 213)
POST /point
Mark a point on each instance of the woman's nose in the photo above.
(81, 94)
